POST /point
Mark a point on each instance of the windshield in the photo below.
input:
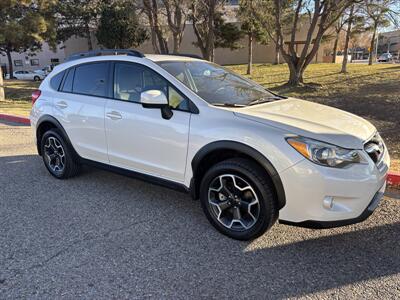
(216, 84)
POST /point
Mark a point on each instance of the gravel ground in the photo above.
(102, 235)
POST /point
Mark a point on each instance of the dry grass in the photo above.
(19, 108)
(372, 92)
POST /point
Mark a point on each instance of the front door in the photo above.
(139, 138)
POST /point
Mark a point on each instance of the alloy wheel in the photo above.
(233, 202)
(54, 154)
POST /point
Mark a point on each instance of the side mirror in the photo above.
(156, 99)
(153, 99)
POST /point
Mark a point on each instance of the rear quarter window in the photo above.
(69, 78)
(55, 81)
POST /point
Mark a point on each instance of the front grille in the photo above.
(375, 148)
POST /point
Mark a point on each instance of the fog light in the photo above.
(328, 202)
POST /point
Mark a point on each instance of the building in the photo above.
(224, 56)
(389, 42)
(34, 61)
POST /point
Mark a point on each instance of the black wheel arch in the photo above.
(47, 122)
(238, 149)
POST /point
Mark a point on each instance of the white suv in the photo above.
(250, 155)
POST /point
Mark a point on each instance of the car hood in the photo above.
(312, 120)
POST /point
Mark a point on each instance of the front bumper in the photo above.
(332, 224)
(322, 197)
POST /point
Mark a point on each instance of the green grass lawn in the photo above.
(372, 92)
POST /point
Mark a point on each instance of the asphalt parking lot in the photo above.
(105, 236)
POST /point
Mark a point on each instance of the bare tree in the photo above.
(346, 43)
(252, 26)
(158, 39)
(322, 15)
(203, 20)
(355, 25)
(338, 28)
(176, 13)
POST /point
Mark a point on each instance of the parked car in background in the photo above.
(385, 57)
(44, 71)
(249, 155)
(28, 75)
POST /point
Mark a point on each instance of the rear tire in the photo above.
(36, 78)
(238, 199)
(58, 157)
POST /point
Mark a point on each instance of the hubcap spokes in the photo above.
(55, 155)
(233, 202)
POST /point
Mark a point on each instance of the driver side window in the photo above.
(130, 80)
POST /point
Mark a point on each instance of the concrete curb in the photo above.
(15, 119)
(393, 178)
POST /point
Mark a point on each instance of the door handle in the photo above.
(62, 104)
(114, 115)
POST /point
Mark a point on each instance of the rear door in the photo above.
(79, 106)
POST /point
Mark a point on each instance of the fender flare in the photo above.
(245, 149)
(57, 124)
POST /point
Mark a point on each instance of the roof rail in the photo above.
(101, 52)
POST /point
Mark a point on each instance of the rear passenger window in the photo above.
(67, 87)
(56, 80)
(91, 79)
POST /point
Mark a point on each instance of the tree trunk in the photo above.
(161, 41)
(10, 65)
(89, 38)
(346, 45)
(176, 40)
(211, 38)
(1, 85)
(250, 55)
(277, 52)
(335, 45)
(296, 74)
(372, 46)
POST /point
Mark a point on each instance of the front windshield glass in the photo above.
(216, 84)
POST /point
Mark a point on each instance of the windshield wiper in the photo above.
(228, 104)
(263, 100)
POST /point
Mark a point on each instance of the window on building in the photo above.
(55, 61)
(34, 62)
(18, 62)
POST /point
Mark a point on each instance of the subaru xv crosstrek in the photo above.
(251, 156)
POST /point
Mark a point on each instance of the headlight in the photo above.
(325, 154)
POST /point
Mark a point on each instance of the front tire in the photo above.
(58, 157)
(36, 78)
(238, 199)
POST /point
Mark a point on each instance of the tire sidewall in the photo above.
(266, 216)
(58, 136)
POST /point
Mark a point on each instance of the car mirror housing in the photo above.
(153, 99)
(156, 99)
